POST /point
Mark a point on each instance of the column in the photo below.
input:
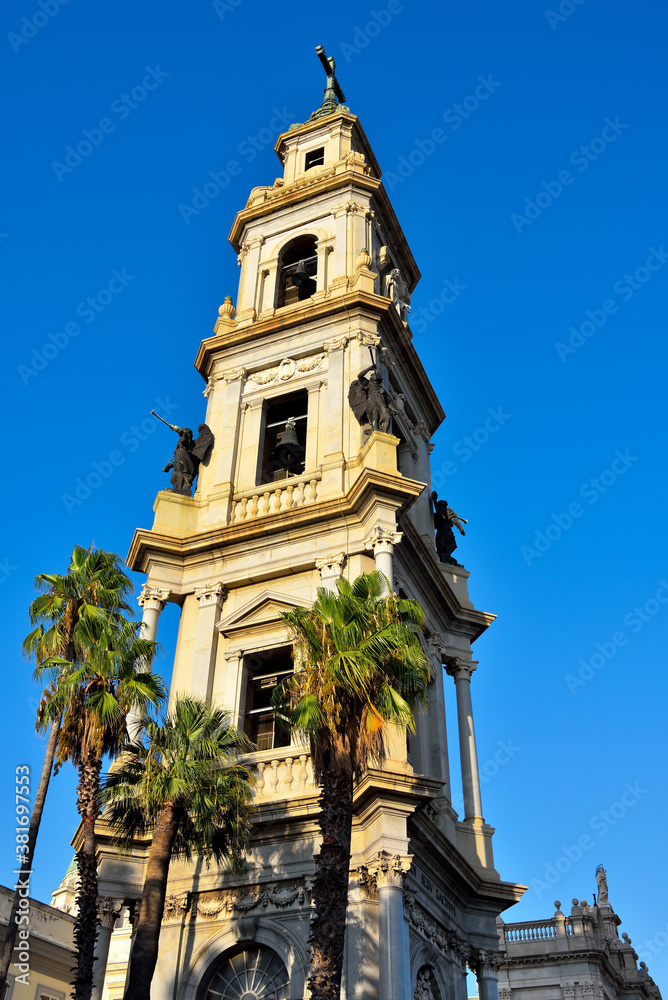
(437, 723)
(250, 445)
(210, 600)
(152, 601)
(331, 449)
(382, 541)
(331, 569)
(462, 670)
(388, 873)
(312, 427)
(227, 425)
(485, 966)
(108, 910)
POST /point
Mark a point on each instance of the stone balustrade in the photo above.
(284, 777)
(537, 930)
(285, 497)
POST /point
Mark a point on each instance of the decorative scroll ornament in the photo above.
(108, 911)
(152, 598)
(382, 539)
(332, 565)
(214, 593)
(287, 370)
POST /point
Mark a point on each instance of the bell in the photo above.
(304, 282)
(289, 436)
(289, 453)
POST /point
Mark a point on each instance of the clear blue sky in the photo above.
(536, 234)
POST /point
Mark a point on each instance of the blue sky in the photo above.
(523, 147)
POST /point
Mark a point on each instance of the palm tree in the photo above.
(93, 698)
(183, 783)
(359, 668)
(93, 590)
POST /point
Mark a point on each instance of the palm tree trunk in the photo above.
(144, 952)
(26, 864)
(330, 885)
(85, 926)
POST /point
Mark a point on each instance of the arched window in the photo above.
(254, 973)
(297, 270)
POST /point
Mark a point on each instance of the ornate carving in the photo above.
(587, 988)
(505, 993)
(568, 991)
(232, 374)
(214, 593)
(287, 370)
(336, 343)
(485, 963)
(366, 881)
(152, 598)
(331, 565)
(459, 668)
(108, 911)
(425, 985)
(208, 389)
(389, 869)
(175, 907)
(382, 539)
(245, 900)
(435, 644)
(446, 941)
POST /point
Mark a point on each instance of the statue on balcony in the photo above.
(444, 520)
(602, 883)
(187, 457)
(369, 400)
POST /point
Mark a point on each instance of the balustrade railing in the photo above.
(284, 776)
(285, 497)
(539, 930)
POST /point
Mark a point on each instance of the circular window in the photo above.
(252, 974)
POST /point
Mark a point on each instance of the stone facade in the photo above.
(575, 957)
(255, 540)
(50, 955)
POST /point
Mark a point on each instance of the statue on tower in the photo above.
(444, 519)
(333, 88)
(602, 883)
(187, 457)
(369, 400)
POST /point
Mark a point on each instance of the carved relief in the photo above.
(287, 370)
(425, 985)
(152, 598)
(175, 907)
(243, 901)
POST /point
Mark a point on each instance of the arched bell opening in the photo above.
(297, 270)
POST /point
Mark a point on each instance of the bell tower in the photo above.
(321, 414)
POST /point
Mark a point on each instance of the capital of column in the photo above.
(152, 598)
(335, 344)
(435, 644)
(232, 374)
(460, 669)
(382, 540)
(389, 869)
(485, 963)
(214, 593)
(108, 911)
(331, 565)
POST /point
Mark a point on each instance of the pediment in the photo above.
(260, 612)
